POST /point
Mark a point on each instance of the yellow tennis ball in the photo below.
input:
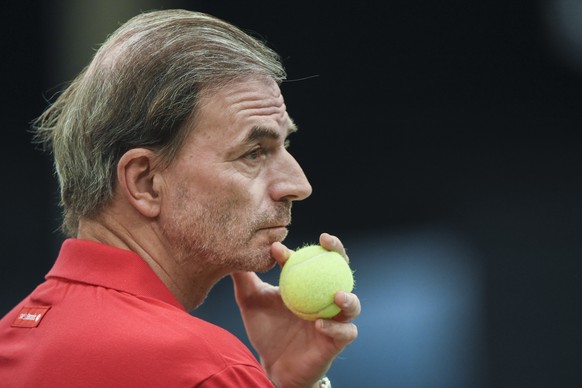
(310, 279)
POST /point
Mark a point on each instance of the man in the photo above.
(170, 148)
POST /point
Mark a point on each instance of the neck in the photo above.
(189, 280)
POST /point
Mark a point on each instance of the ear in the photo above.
(139, 181)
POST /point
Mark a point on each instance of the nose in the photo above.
(290, 182)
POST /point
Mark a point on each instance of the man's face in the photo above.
(228, 194)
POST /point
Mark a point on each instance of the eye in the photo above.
(255, 154)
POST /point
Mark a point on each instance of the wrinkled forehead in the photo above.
(249, 87)
(228, 114)
(249, 99)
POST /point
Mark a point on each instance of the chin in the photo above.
(268, 266)
(257, 265)
(261, 260)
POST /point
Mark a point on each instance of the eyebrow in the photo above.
(258, 132)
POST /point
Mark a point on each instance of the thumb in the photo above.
(280, 253)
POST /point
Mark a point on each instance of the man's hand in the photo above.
(293, 351)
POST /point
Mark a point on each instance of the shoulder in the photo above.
(182, 346)
(152, 332)
(131, 340)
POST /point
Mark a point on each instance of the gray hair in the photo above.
(141, 89)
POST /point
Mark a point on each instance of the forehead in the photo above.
(235, 109)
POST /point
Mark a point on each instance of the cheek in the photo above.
(228, 206)
(233, 187)
(237, 203)
(226, 195)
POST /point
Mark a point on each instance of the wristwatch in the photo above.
(324, 383)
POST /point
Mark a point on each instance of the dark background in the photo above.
(456, 116)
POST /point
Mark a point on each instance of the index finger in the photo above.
(332, 243)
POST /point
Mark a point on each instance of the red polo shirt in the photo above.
(103, 318)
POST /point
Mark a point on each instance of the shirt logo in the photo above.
(30, 316)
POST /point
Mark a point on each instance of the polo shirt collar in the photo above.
(103, 265)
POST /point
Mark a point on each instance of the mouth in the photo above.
(274, 227)
(276, 232)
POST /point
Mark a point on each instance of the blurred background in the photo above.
(442, 140)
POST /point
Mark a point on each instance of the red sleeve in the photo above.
(238, 376)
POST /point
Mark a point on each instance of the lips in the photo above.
(274, 232)
(282, 223)
(278, 226)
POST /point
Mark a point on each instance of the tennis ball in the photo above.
(310, 279)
